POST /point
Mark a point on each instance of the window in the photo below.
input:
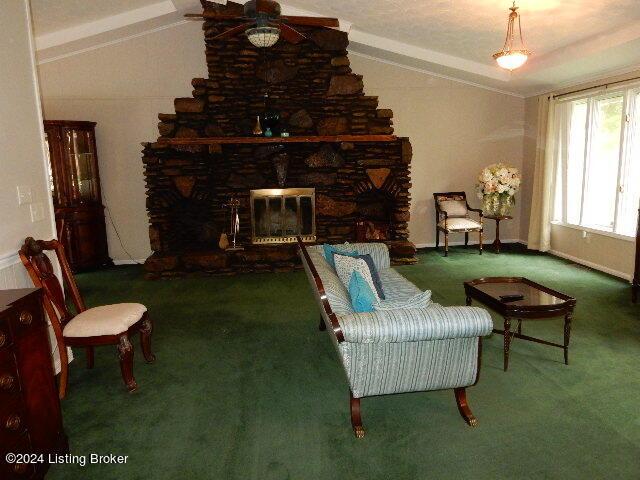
(597, 142)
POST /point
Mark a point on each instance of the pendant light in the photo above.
(512, 55)
(263, 35)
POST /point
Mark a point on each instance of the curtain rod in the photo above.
(594, 87)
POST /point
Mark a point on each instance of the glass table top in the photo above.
(532, 295)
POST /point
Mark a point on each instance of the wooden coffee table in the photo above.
(538, 302)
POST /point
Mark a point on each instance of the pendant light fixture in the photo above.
(513, 54)
(263, 35)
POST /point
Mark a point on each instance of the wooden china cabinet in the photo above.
(75, 185)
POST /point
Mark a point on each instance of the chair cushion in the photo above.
(104, 320)
(460, 224)
(454, 208)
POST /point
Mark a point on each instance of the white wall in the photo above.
(22, 154)
(456, 129)
(22, 161)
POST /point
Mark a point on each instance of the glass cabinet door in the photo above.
(81, 156)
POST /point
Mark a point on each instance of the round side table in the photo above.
(497, 244)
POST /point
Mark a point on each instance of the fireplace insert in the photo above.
(279, 215)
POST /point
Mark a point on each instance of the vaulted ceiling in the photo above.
(572, 40)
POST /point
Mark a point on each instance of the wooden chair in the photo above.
(89, 327)
(452, 215)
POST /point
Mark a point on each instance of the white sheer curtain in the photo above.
(543, 181)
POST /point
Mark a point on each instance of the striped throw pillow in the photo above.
(345, 266)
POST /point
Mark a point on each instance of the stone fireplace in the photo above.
(340, 176)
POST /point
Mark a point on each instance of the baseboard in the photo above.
(593, 265)
(129, 261)
(486, 242)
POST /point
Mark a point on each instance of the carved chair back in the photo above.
(36, 261)
(460, 210)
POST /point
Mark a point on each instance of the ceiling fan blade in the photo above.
(234, 31)
(290, 34)
(216, 16)
(311, 21)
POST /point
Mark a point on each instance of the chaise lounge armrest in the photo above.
(413, 325)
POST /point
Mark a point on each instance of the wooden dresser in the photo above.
(30, 415)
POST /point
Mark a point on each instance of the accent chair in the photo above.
(452, 216)
(88, 327)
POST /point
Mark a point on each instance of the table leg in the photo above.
(519, 327)
(468, 301)
(496, 243)
(567, 335)
(507, 341)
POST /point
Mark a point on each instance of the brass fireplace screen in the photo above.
(278, 215)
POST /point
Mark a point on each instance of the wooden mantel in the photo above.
(297, 139)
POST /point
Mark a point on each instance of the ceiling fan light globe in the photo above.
(263, 37)
(511, 60)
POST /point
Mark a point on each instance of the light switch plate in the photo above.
(37, 212)
(24, 194)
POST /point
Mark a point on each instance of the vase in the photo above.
(498, 204)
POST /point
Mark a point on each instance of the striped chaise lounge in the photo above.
(396, 351)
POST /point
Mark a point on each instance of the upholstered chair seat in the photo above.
(104, 320)
(460, 225)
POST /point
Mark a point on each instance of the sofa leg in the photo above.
(463, 407)
(356, 419)
(446, 244)
(321, 326)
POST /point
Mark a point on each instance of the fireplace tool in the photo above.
(233, 206)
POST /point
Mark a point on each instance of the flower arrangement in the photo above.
(497, 185)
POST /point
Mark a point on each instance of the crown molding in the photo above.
(431, 56)
(426, 71)
(586, 80)
(109, 43)
(107, 24)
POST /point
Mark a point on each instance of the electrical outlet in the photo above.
(24, 194)
(37, 212)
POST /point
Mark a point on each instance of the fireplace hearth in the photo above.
(340, 166)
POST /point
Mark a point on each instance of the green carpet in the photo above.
(245, 387)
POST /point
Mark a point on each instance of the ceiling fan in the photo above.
(264, 25)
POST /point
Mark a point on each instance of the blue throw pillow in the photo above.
(374, 274)
(362, 297)
(329, 250)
